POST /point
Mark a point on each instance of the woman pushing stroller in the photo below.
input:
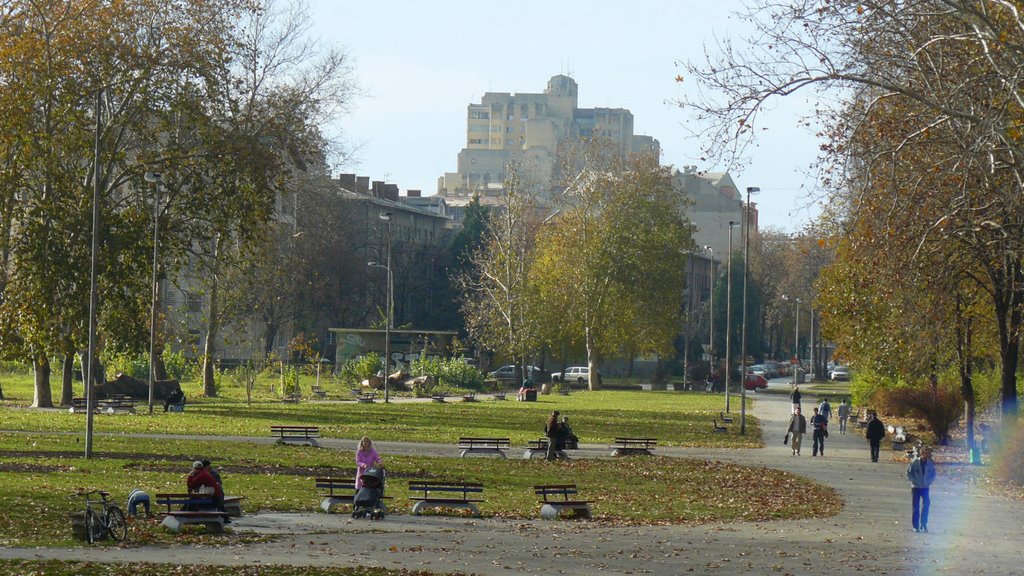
(369, 482)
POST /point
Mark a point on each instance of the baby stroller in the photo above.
(369, 500)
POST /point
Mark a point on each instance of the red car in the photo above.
(754, 382)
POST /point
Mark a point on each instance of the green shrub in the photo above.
(360, 368)
(177, 364)
(136, 366)
(450, 373)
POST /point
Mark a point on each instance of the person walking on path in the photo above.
(820, 426)
(921, 473)
(825, 409)
(797, 429)
(551, 429)
(795, 396)
(843, 411)
(874, 434)
(366, 458)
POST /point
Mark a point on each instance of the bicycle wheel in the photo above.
(93, 526)
(115, 522)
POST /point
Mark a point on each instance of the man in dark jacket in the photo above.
(874, 434)
(820, 425)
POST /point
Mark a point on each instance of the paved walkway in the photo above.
(971, 533)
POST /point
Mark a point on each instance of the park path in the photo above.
(971, 532)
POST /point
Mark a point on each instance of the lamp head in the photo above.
(753, 190)
(386, 216)
(154, 177)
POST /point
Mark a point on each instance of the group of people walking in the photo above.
(921, 472)
(819, 425)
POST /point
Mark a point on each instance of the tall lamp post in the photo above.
(796, 336)
(728, 319)
(743, 338)
(156, 178)
(711, 318)
(390, 307)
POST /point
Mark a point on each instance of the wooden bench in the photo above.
(429, 500)
(718, 429)
(289, 433)
(724, 418)
(470, 397)
(364, 396)
(540, 446)
(438, 398)
(483, 446)
(197, 510)
(551, 505)
(633, 446)
(78, 405)
(318, 393)
(118, 403)
(335, 491)
(498, 396)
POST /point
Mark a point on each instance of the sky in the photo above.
(419, 64)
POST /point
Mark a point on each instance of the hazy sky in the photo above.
(420, 63)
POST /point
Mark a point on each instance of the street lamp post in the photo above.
(711, 313)
(389, 307)
(728, 319)
(796, 336)
(156, 178)
(743, 338)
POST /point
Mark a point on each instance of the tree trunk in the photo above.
(1008, 319)
(67, 374)
(594, 381)
(212, 329)
(42, 397)
(964, 351)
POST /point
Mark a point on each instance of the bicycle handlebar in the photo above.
(81, 494)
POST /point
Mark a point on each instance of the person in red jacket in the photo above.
(200, 481)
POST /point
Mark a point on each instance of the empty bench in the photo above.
(438, 398)
(483, 446)
(718, 429)
(726, 419)
(78, 405)
(119, 403)
(192, 509)
(556, 497)
(335, 492)
(364, 396)
(442, 494)
(318, 393)
(633, 446)
(289, 433)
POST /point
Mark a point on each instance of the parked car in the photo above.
(760, 370)
(508, 373)
(577, 374)
(771, 368)
(784, 368)
(839, 373)
(754, 382)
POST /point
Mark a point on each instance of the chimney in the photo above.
(363, 184)
(413, 193)
(378, 189)
(391, 192)
(347, 181)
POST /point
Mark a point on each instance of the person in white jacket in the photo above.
(921, 473)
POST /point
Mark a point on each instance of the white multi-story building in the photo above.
(527, 130)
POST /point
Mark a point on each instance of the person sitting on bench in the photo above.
(175, 397)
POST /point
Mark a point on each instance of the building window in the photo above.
(480, 114)
(193, 303)
(478, 141)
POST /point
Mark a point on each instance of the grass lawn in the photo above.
(56, 568)
(42, 465)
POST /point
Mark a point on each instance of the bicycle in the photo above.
(108, 521)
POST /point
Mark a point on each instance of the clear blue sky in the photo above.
(421, 63)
